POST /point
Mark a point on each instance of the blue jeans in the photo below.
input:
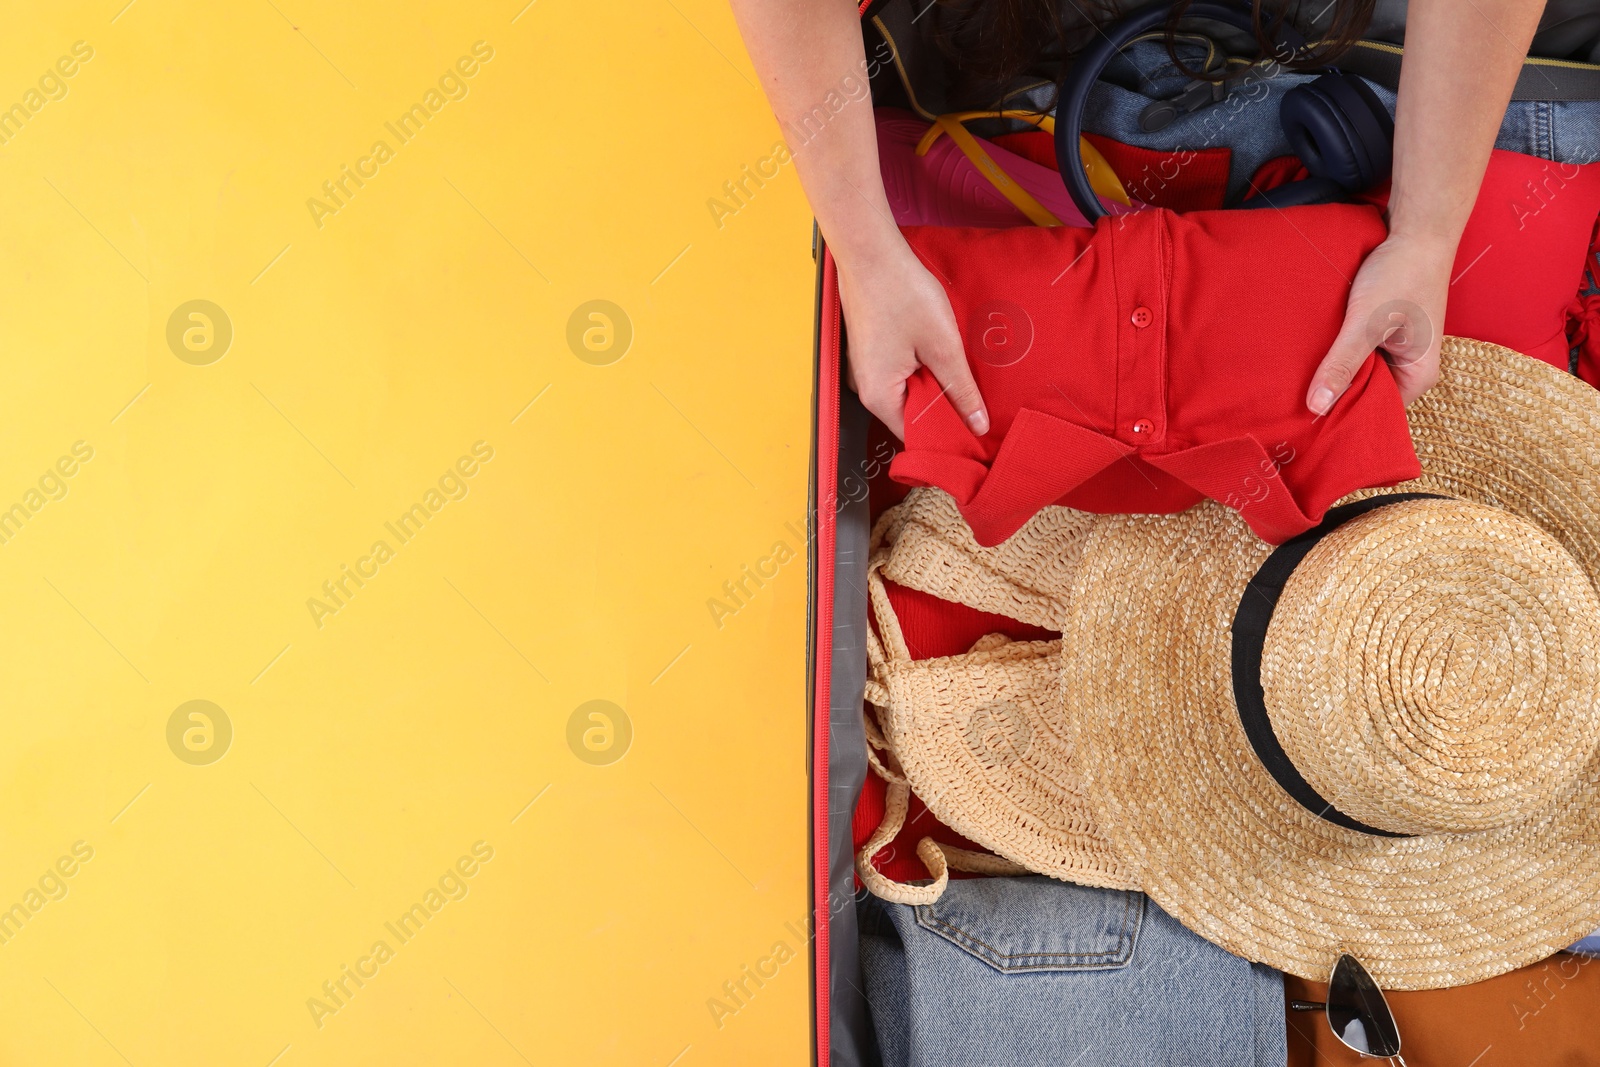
(1018, 972)
(1247, 121)
(1563, 131)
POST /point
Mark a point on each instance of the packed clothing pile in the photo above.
(1189, 717)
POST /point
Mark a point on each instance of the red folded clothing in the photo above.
(1186, 180)
(1518, 278)
(1150, 362)
(1520, 265)
(1519, 273)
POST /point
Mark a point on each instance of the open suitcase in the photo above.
(841, 472)
(849, 487)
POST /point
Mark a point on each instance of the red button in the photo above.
(1141, 317)
(1143, 426)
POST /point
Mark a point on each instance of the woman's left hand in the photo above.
(1397, 305)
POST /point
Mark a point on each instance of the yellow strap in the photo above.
(1102, 178)
(1023, 200)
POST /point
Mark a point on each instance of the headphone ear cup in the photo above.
(1373, 124)
(1340, 130)
(1313, 122)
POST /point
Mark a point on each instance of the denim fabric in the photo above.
(1017, 972)
(1563, 131)
(929, 35)
(1247, 120)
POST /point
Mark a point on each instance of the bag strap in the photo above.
(1539, 79)
(885, 643)
(896, 803)
(939, 859)
(1102, 178)
(893, 646)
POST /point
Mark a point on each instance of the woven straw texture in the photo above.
(979, 738)
(932, 550)
(1434, 667)
(1431, 668)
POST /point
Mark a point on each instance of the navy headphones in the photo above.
(1336, 124)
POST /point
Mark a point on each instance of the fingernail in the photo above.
(1322, 399)
(979, 421)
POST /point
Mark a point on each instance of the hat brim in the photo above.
(1178, 791)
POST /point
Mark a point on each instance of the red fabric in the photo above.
(1586, 337)
(883, 492)
(1518, 277)
(1583, 317)
(1153, 361)
(1187, 180)
(1521, 261)
(1033, 145)
(932, 628)
(1518, 268)
(1276, 172)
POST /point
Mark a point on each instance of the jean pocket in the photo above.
(1034, 924)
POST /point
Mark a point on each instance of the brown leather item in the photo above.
(1541, 1015)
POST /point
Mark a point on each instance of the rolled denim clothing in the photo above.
(1017, 972)
(1246, 122)
(1568, 30)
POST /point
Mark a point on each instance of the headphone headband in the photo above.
(1073, 94)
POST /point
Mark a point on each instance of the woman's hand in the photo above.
(897, 314)
(897, 318)
(1461, 64)
(1397, 305)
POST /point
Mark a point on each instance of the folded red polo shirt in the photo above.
(1152, 361)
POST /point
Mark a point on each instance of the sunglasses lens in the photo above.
(1358, 1013)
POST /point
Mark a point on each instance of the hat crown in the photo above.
(1433, 666)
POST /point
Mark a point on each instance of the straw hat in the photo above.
(1421, 675)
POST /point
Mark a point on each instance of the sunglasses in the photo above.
(1357, 1012)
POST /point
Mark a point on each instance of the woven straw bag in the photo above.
(970, 732)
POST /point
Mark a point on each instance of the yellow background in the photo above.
(368, 354)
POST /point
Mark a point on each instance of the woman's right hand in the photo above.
(898, 318)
